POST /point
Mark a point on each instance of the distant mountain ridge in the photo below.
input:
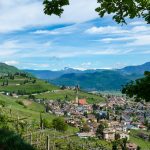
(98, 79)
(140, 69)
(48, 74)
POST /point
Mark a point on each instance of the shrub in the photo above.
(20, 102)
(47, 123)
(2, 103)
(59, 124)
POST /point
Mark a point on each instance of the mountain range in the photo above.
(99, 79)
(48, 74)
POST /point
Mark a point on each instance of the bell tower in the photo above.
(77, 94)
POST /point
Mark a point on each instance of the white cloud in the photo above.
(106, 30)
(64, 30)
(140, 29)
(135, 36)
(9, 44)
(7, 53)
(46, 32)
(140, 40)
(66, 52)
(11, 62)
(17, 15)
(135, 23)
(108, 40)
(8, 48)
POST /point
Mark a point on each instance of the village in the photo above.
(110, 120)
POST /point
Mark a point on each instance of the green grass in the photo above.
(28, 88)
(31, 111)
(145, 145)
(70, 95)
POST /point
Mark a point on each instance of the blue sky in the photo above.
(79, 39)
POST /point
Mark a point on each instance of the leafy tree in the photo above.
(140, 89)
(3, 121)
(86, 128)
(59, 124)
(31, 96)
(120, 9)
(123, 144)
(114, 145)
(100, 129)
(117, 136)
(41, 121)
(138, 148)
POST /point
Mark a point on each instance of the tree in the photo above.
(138, 148)
(100, 129)
(139, 89)
(114, 145)
(120, 9)
(86, 128)
(117, 136)
(123, 144)
(59, 124)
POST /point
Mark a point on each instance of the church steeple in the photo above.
(77, 94)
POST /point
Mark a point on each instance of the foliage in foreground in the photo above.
(11, 141)
(140, 89)
(120, 9)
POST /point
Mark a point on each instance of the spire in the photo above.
(77, 94)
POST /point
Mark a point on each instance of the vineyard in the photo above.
(26, 122)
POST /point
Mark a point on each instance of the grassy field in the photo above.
(145, 145)
(70, 95)
(28, 109)
(25, 85)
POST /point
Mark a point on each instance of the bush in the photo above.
(20, 102)
(86, 128)
(59, 124)
(47, 123)
(2, 103)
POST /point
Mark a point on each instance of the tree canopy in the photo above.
(120, 9)
(140, 89)
(59, 124)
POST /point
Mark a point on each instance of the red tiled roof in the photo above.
(82, 101)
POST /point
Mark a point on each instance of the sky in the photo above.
(79, 39)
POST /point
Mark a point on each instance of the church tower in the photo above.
(77, 94)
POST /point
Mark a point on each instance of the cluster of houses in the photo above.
(119, 114)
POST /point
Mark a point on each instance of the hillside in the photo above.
(5, 69)
(105, 80)
(70, 95)
(22, 84)
(140, 69)
(13, 80)
(28, 113)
